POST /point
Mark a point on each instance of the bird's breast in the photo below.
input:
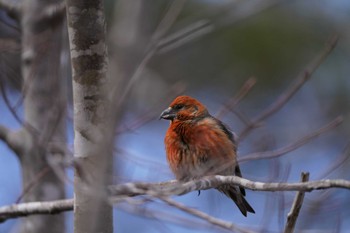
(185, 159)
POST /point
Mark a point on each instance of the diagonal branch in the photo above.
(302, 78)
(12, 139)
(232, 103)
(163, 27)
(293, 146)
(294, 212)
(215, 221)
(13, 10)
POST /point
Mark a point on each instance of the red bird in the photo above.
(197, 145)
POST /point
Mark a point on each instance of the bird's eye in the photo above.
(178, 106)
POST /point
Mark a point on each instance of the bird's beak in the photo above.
(168, 114)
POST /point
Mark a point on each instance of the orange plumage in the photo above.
(197, 144)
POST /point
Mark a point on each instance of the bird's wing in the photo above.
(232, 136)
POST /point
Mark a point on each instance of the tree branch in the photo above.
(208, 182)
(294, 212)
(11, 139)
(292, 89)
(168, 188)
(12, 10)
(232, 103)
(25, 209)
(292, 146)
(215, 221)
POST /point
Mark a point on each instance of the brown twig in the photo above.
(294, 211)
(340, 161)
(232, 103)
(300, 80)
(215, 221)
(13, 10)
(226, 15)
(9, 106)
(164, 25)
(162, 214)
(293, 146)
(33, 182)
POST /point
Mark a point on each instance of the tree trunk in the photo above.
(93, 127)
(44, 109)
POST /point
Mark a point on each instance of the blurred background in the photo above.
(208, 49)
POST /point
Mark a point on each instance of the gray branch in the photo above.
(12, 9)
(294, 212)
(177, 188)
(169, 188)
(12, 139)
(31, 208)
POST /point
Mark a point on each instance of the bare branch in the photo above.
(4, 133)
(293, 146)
(9, 106)
(13, 10)
(53, 11)
(294, 212)
(224, 16)
(208, 182)
(164, 215)
(301, 79)
(168, 20)
(232, 103)
(28, 187)
(25, 209)
(11, 139)
(163, 27)
(337, 163)
(168, 188)
(215, 221)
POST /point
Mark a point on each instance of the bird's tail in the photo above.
(235, 194)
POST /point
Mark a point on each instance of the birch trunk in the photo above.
(93, 128)
(44, 110)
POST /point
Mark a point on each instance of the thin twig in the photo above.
(164, 25)
(161, 214)
(53, 11)
(168, 20)
(215, 221)
(340, 161)
(294, 211)
(292, 146)
(300, 80)
(33, 182)
(13, 10)
(9, 106)
(226, 15)
(232, 103)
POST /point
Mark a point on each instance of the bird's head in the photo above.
(184, 108)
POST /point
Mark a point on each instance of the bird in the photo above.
(197, 144)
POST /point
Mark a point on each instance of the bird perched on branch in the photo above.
(197, 145)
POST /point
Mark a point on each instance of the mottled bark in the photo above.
(93, 128)
(44, 109)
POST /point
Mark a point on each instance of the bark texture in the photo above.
(93, 128)
(44, 108)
